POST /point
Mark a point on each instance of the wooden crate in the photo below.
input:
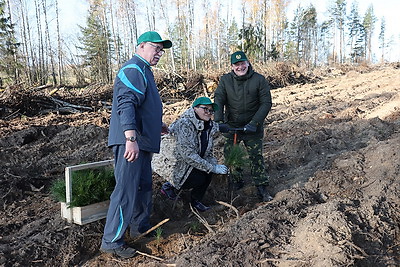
(86, 214)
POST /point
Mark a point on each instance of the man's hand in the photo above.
(223, 127)
(250, 128)
(131, 151)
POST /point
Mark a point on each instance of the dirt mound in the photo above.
(347, 215)
(331, 148)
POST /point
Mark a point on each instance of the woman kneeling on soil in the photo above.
(194, 132)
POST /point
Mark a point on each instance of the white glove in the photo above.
(220, 169)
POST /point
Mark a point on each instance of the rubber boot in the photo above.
(263, 193)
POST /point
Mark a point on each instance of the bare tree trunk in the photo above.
(369, 46)
(190, 34)
(41, 59)
(129, 9)
(15, 63)
(164, 12)
(108, 66)
(29, 57)
(219, 46)
(151, 17)
(334, 46)
(243, 20)
(115, 36)
(48, 43)
(60, 59)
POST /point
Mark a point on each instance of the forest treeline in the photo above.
(34, 51)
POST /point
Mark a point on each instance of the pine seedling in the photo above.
(159, 232)
(236, 158)
(89, 186)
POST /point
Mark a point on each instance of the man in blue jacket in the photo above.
(135, 133)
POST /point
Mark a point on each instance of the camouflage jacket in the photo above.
(181, 150)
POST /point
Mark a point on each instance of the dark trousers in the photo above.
(198, 181)
(131, 200)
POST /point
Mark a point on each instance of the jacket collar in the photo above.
(144, 60)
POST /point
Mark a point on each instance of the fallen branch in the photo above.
(12, 114)
(201, 219)
(229, 206)
(148, 255)
(151, 229)
(52, 92)
(281, 260)
(66, 104)
(41, 87)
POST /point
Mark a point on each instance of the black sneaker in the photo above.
(263, 194)
(199, 206)
(169, 191)
(123, 251)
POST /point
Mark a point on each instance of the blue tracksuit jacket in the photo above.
(136, 106)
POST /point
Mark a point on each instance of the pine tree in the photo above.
(8, 47)
(338, 15)
(97, 45)
(303, 36)
(252, 38)
(273, 53)
(369, 25)
(233, 37)
(293, 46)
(382, 39)
(308, 34)
(356, 34)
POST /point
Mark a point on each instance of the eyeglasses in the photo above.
(159, 50)
(207, 110)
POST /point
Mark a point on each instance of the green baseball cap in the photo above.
(205, 101)
(153, 37)
(238, 56)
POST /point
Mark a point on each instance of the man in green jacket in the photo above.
(244, 98)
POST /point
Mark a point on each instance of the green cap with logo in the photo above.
(153, 37)
(205, 101)
(238, 56)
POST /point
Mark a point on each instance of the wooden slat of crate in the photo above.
(81, 214)
(86, 214)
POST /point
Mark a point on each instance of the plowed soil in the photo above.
(332, 152)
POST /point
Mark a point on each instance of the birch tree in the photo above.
(129, 28)
(369, 26)
(382, 39)
(59, 48)
(275, 21)
(41, 71)
(49, 49)
(165, 12)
